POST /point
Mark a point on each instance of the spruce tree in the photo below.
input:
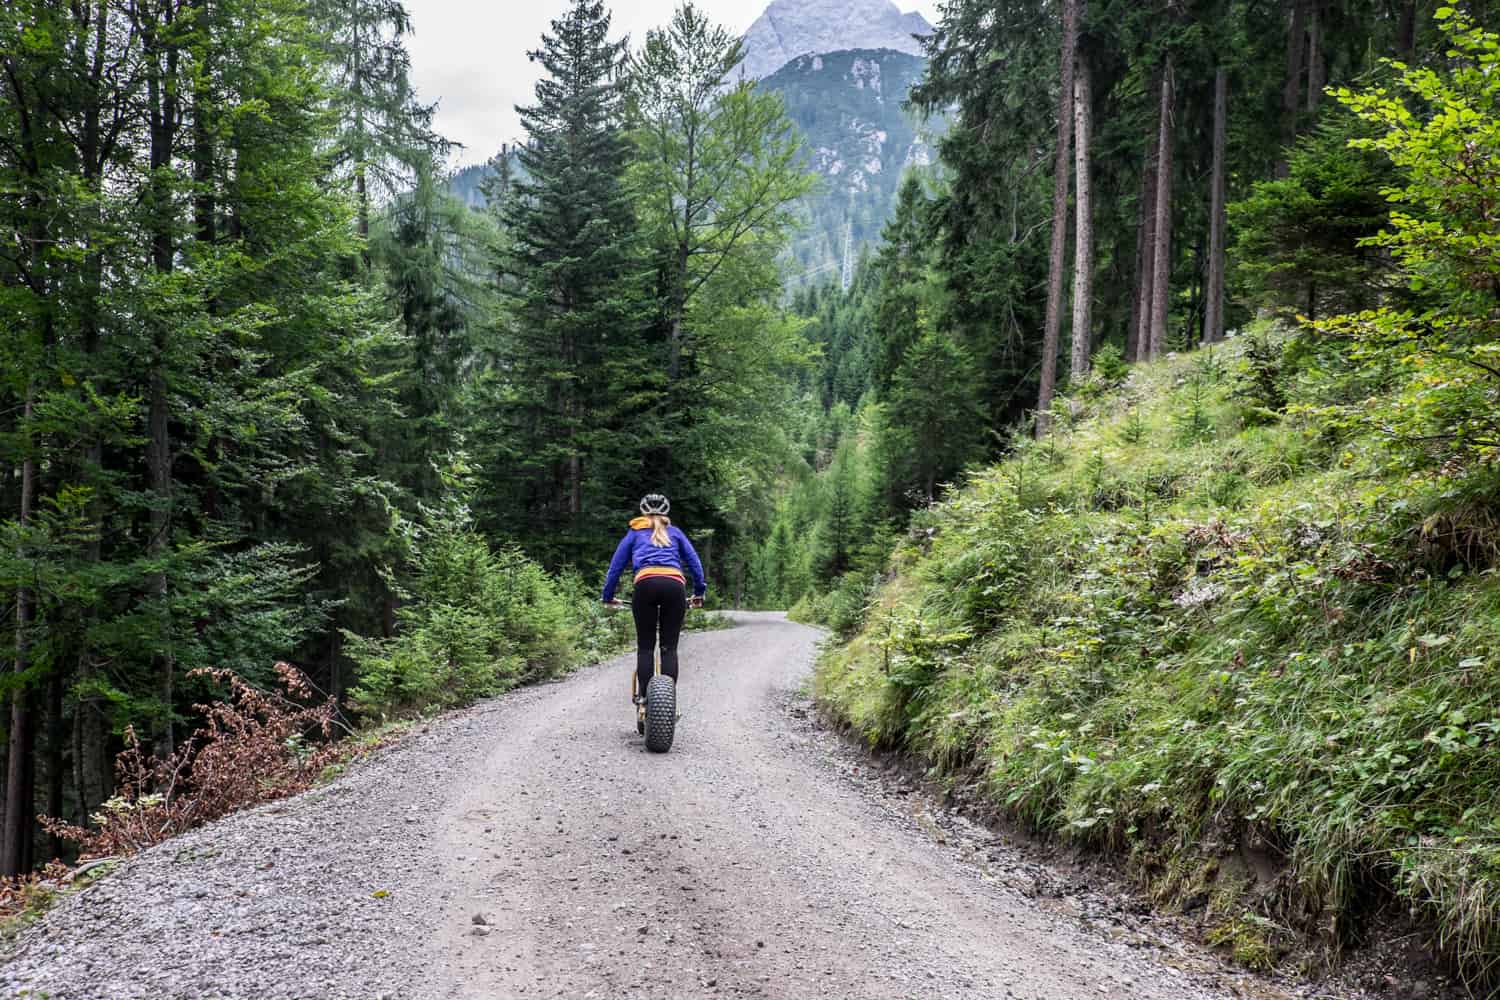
(572, 271)
(902, 276)
(385, 134)
(196, 365)
(934, 418)
(433, 255)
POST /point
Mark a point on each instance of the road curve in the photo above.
(530, 847)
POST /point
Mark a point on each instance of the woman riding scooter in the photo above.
(663, 559)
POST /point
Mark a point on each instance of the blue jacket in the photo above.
(636, 549)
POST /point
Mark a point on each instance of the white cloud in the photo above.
(471, 57)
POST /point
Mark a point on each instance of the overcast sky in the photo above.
(471, 57)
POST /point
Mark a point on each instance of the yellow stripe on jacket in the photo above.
(667, 571)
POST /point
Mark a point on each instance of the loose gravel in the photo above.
(530, 847)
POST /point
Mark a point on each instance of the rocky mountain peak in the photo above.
(792, 28)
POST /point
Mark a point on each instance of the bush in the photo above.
(475, 623)
(842, 609)
(1439, 345)
(256, 746)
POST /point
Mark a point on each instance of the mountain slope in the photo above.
(791, 28)
(849, 109)
(844, 69)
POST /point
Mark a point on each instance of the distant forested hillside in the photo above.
(849, 109)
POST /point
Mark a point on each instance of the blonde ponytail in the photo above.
(659, 525)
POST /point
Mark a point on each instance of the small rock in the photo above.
(479, 920)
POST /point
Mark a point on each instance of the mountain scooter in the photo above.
(656, 712)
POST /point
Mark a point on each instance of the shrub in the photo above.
(476, 621)
(1260, 381)
(1441, 345)
(256, 746)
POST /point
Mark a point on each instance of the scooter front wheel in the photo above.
(661, 713)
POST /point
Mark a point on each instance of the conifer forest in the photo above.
(1144, 471)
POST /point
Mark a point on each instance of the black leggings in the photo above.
(658, 600)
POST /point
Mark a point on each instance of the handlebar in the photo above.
(619, 605)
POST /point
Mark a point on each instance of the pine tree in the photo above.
(902, 279)
(573, 273)
(194, 368)
(988, 217)
(434, 257)
(935, 421)
(842, 516)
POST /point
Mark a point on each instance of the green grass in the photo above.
(1186, 625)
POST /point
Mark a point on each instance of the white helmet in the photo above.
(655, 503)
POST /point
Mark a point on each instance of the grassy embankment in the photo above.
(1216, 639)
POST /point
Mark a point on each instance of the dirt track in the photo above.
(531, 848)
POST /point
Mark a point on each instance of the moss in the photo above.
(1250, 941)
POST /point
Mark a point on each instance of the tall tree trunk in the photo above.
(19, 806)
(203, 147)
(161, 87)
(159, 466)
(361, 152)
(335, 664)
(1295, 50)
(1061, 169)
(1083, 239)
(674, 359)
(1197, 289)
(1161, 269)
(1138, 337)
(685, 248)
(1213, 309)
(1314, 59)
(1406, 33)
(362, 198)
(575, 486)
(92, 776)
(56, 742)
(20, 771)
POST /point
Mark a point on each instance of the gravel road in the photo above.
(529, 847)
